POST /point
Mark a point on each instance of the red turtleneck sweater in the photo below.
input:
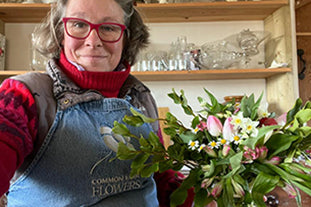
(108, 83)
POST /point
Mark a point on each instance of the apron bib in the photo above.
(73, 166)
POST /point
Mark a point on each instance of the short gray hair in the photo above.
(49, 35)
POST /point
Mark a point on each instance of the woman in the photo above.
(55, 133)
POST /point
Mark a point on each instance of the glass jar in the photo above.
(38, 61)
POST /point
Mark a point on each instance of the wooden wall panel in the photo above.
(303, 29)
(303, 17)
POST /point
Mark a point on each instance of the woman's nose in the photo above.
(93, 39)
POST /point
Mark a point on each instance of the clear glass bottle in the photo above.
(38, 61)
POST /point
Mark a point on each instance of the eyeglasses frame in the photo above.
(93, 26)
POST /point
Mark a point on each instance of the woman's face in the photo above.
(92, 53)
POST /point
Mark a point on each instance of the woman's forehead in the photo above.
(95, 10)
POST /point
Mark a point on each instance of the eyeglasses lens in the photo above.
(106, 31)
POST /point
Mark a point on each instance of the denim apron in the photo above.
(74, 167)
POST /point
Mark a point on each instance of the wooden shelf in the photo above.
(303, 34)
(177, 12)
(23, 13)
(210, 11)
(209, 74)
(191, 75)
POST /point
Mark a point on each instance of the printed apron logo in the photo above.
(107, 186)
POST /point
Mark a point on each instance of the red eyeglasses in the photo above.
(81, 29)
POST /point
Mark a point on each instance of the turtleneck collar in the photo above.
(107, 83)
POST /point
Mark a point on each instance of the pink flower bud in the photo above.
(210, 151)
(214, 125)
(202, 126)
(263, 151)
(274, 160)
(217, 189)
(207, 182)
(250, 154)
(291, 191)
(239, 192)
(225, 150)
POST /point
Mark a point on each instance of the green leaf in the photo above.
(305, 130)
(287, 177)
(121, 129)
(291, 113)
(228, 193)
(255, 107)
(279, 143)
(170, 118)
(235, 162)
(307, 105)
(253, 141)
(155, 141)
(263, 184)
(139, 161)
(195, 122)
(170, 131)
(165, 165)
(145, 145)
(149, 169)
(125, 152)
(303, 116)
(187, 136)
(201, 198)
(302, 187)
(175, 97)
(298, 171)
(179, 196)
(215, 105)
(133, 120)
(211, 169)
(203, 103)
(142, 116)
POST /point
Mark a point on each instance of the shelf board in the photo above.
(209, 74)
(190, 75)
(23, 13)
(210, 11)
(303, 34)
(176, 12)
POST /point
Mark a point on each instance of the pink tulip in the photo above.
(214, 125)
(228, 130)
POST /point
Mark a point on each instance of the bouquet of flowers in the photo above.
(236, 152)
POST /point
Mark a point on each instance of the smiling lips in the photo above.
(93, 56)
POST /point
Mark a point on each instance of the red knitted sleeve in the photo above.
(18, 128)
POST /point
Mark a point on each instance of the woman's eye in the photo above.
(79, 24)
(107, 28)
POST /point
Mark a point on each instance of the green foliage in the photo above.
(234, 171)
